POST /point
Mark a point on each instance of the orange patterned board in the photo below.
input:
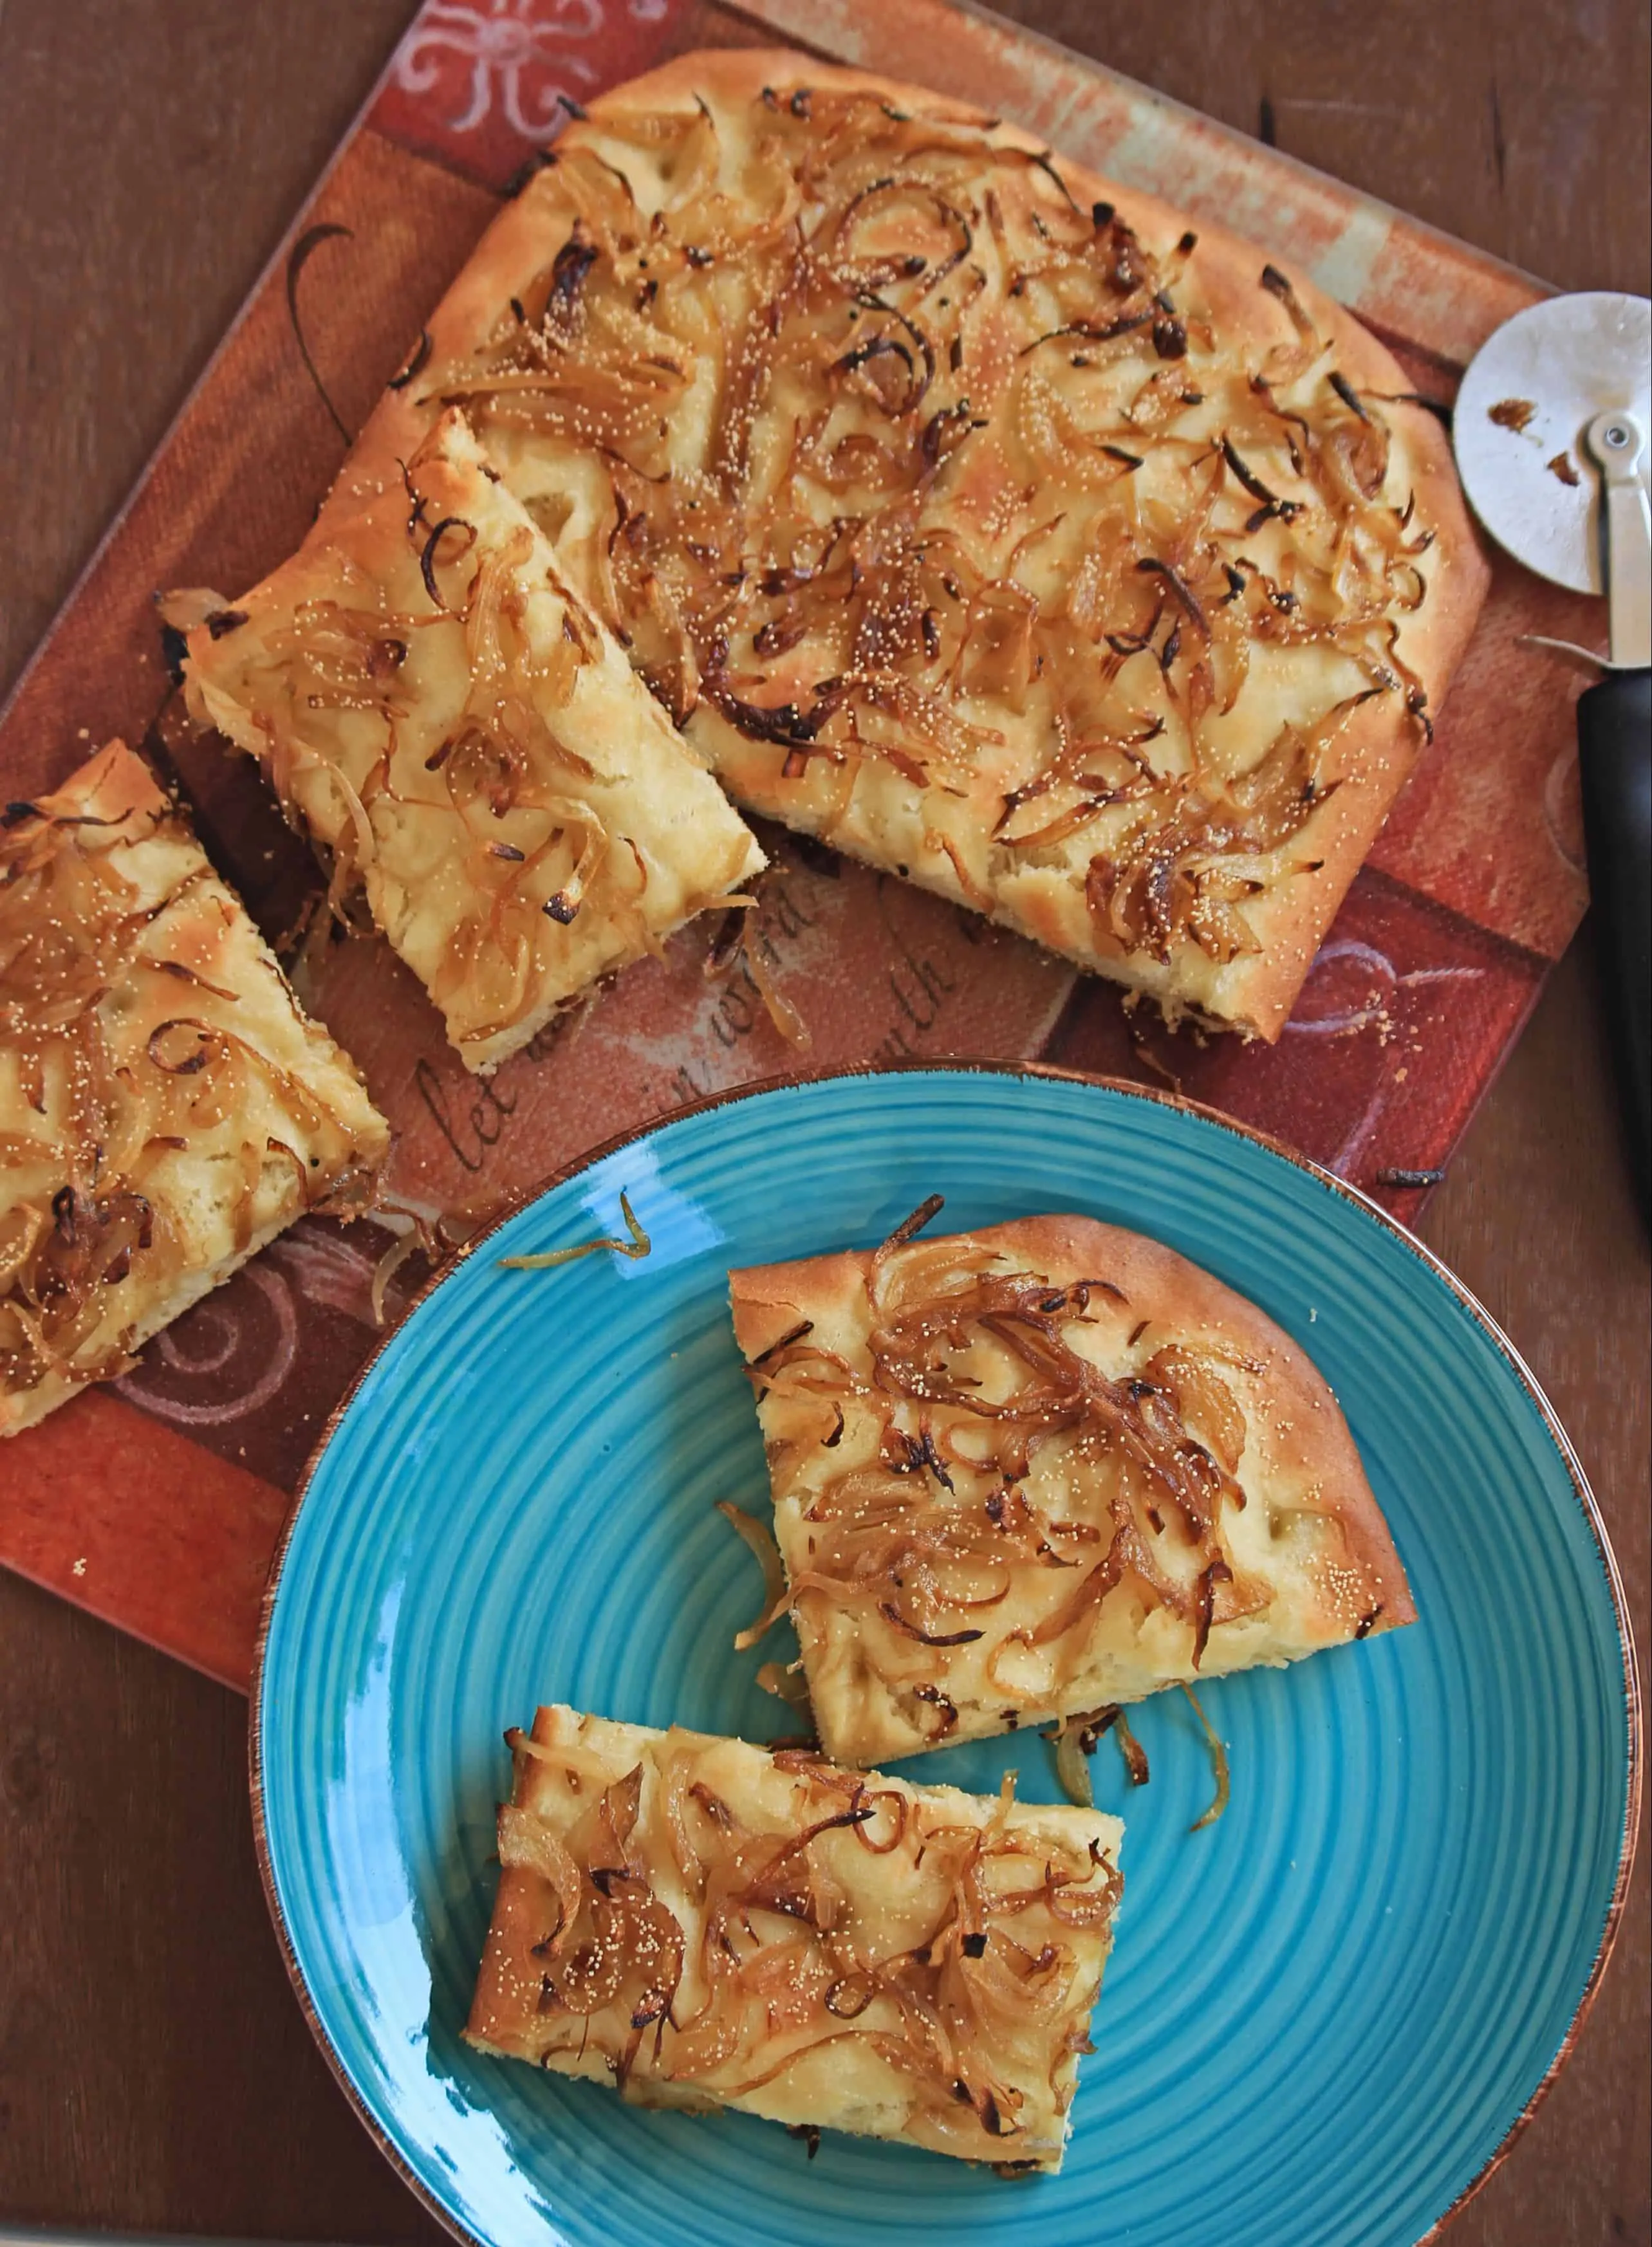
(157, 1505)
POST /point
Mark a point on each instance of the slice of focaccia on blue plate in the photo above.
(703, 1923)
(1039, 1469)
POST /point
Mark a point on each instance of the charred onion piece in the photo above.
(727, 937)
(913, 1224)
(1285, 509)
(891, 1614)
(572, 262)
(1277, 286)
(1346, 392)
(188, 1062)
(1183, 591)
(1075, 1739)
(932, 1696)
(427, 557)
(416, 364)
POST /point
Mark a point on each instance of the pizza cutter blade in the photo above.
(1552, 430)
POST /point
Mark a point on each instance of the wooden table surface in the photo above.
(154, 2069)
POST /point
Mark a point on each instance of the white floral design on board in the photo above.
(1373, 1011)
(518, 53)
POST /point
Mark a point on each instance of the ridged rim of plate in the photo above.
(765, 1087)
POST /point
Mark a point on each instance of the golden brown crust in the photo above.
(519, 810)
(165, 1106)
(943, 838)
(1275, 1547)
(705, 1922)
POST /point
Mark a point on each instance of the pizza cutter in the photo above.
(1553, 429)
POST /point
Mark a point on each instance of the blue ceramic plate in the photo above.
(1323, 2017)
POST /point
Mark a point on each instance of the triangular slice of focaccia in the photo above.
(1042, 1468)
(704, 1922)
(165, 1106)
(436, 706)
(1003, 527)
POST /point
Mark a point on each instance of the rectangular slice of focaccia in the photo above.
(165, 1106)
(703, 1923)
(1043, 1468)
(440, 709)
(988, 521)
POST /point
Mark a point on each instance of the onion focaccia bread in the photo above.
(165, 1108)
(983, 519)
(705, 1924)
(1040, 1469)
(434, 704)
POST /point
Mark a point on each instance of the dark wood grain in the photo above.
(154, 2069)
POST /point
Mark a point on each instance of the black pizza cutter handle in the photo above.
(1614, 757)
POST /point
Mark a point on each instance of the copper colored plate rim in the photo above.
(790, 1080)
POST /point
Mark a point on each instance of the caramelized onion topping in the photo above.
(106, 1106)
(999, 1486)
(784, 1964)
(503, 758)
(916, 330)
(1135, 1753)
(1076, 1739)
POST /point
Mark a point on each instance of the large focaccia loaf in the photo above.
(982, 518)
(1042, 1468)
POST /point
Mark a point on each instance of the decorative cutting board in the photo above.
(157, 1503)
